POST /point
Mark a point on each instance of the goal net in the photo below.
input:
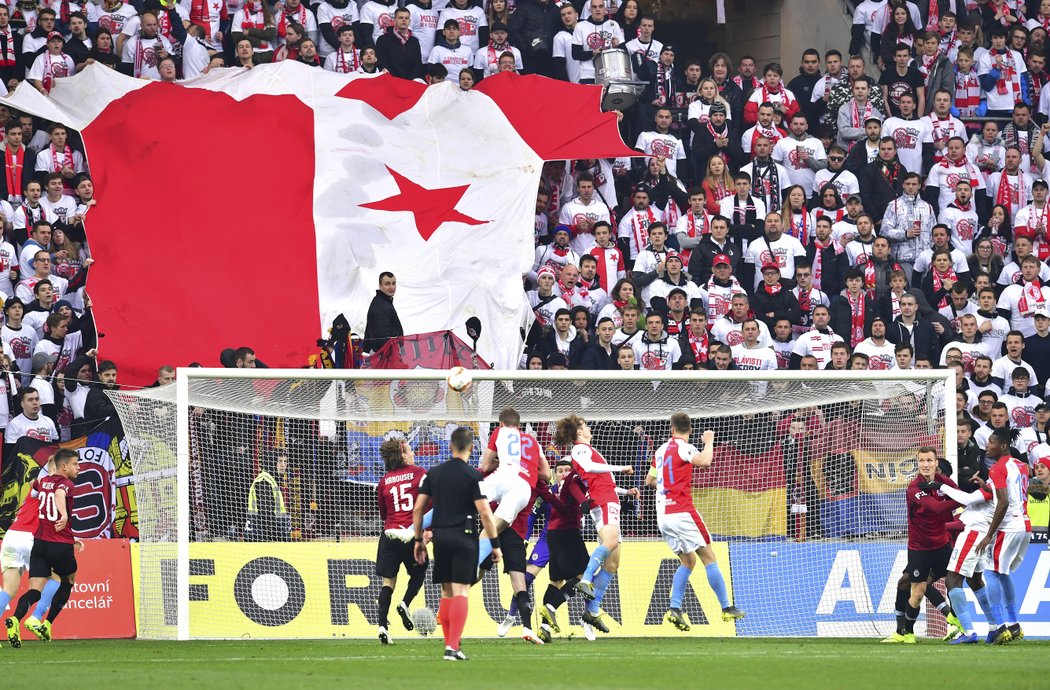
(805, 498)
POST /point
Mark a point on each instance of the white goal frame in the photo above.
(185, 375)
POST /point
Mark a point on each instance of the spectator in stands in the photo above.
(382, 322)
(165, 375)
(656, 350)
(397, 50)
(345, 59)
(911, 328)
(98, 406)
(853, 310)
(532, 27)
(882, 180)
(773, 297)
(142, 52)
(268, 519)
(599, 353)
(255, 23)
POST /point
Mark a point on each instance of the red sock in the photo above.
(443, 617)
(457, 614)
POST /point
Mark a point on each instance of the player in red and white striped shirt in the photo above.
(681, 526)
(605, 509)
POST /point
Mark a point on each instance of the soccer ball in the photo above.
(424, 621)
(458, 379)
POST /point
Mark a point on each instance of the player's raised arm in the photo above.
(582, 456)
(704, 457)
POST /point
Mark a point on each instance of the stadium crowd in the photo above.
(884, 207)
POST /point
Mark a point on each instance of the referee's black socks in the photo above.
(385, 594)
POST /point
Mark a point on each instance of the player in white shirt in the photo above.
(591, 36)
(456, 56)
(801, 155)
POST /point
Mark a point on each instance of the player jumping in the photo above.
(396, 494)
(605, 511)
(1010, 529)
(681, 526)
(53, 549)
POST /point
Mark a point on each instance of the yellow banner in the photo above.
(880, 472)
(329, 590)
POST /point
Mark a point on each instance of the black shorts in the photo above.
(392, 554)
(512, 547)
(48, 556)
(568, 552)
(923, 564)
(455, 556)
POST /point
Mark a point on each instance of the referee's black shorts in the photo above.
(568, 554)
(48, 556)
(392, 554)
(923, 564)
(513, 548)
(455, 556)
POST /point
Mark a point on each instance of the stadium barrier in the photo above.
(102, 605)
(847, 583)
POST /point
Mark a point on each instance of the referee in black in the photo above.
(454, 486)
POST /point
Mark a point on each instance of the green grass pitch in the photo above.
(511, 664)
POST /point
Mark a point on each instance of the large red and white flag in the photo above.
(250, 207)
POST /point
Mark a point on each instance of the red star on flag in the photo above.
(431, 207)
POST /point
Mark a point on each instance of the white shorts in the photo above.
(1007, 551)
(510, 491)
(964, 559)
(14, 552)
(683, 532)
(606, 514)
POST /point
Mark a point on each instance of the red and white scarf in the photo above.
(66, 159)
(1007, 74)
(692, 230)
(343, 65)
(254, 19)
(494, 50)
(773, 289)
(54, 67)
(201, 14)
(943, 130)
(724, 133)
(799, 231)
(8, 58)
(856, 307)
(1010, 196)
(13, 165)
(299, 15)
(1003, 8)
(938, 280)
(739, 81)
(970, 172)
(967, 92)
(835, 214)
(818, 265)
(699, 346)
(926, 63)
(640, 226)
(1031, 297)
(403, 37)
(934, 19)
(773, 133)
(1035, 221)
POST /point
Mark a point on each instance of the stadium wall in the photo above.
(826, 589)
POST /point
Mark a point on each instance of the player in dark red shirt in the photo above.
(52, 547)
(929, 544)
(568, 552)
(396, 494)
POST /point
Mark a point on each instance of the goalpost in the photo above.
(805, 499)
